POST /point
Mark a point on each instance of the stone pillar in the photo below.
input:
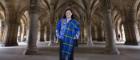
(89, 26)
(109, 28)
(22, 33)
(100, 34)
(52, 24)
(47, 33)
(90, 41)
(94, 37)
(131, 28)
(33, 29)
(11, 38)
(19, 33)
(1, 30)
(12, 25)
(42, 32)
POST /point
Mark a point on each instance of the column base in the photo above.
(2, 44)
(42, 40)
(90, 43)
(31, 52)
(131, 43)
(11, 44)
(100, 39)
(113, 52)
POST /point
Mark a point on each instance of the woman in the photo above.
(67, 31)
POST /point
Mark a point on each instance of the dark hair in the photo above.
(64, 16)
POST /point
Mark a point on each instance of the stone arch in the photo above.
(23, 22)
(137, 9)
(95, 5)
(4, 7)
(2, 22)
(136, 4)
(98, 21)
(75, 7)
(117, 19)
(136, 17)
(45, 4)
(69, 3)
(42, 22)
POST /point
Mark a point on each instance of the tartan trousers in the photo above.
(63, 56)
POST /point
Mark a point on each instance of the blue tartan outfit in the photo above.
(67, 33)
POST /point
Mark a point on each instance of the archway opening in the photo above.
(2, 23)
(23, 28)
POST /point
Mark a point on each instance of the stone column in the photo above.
(11, 38)
(22, 33)
(47, 33)
(33, 29)
(90, 41)
(1, 30)
(131, 28)
(109, 28)
(94, 37)
(100, 33)
(42, 32)
(52, 24)
(12, 25)
(89, 26)
(19, 38)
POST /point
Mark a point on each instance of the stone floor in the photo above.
(81, 53)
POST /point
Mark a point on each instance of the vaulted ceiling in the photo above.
(81, 8)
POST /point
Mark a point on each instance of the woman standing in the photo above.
(68, 32)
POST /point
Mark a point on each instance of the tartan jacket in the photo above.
(67, 32)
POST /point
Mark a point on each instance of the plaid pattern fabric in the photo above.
(67, 32)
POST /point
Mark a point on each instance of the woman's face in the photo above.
(68, 14)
